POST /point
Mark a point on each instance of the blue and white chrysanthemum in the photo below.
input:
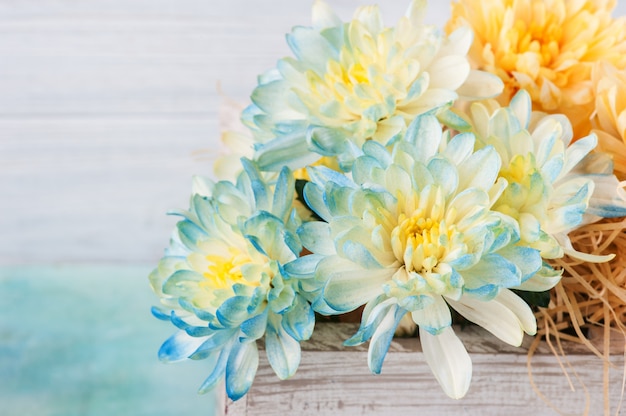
(357, 81)
(555, 186)
(222, 281)
(414, 232)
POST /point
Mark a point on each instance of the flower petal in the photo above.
(243, 362)
(381, 339)
(283, 352)
(350, 286)
(520, 308)
(493, 316)
(323, 15)
(479, 85)
(179, 347)
(448, 360)
(435, 317)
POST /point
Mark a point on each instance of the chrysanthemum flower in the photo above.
(223, 281)
(414, 233)
(554, 185)
(609, 120)
(357, 81)
(547, 47)
(238, 144)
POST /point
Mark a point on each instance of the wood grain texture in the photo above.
(336, 381)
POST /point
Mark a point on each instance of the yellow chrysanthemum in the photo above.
(609, 121)
(547, 47)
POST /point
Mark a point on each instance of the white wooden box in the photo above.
(334, 380)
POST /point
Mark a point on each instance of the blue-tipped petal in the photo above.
(381, 339)
(424, 133)
(233, 311)
(326, 141)
(160, 314)
(243, 362)
(493, 269)
(216, 341)
(283, 194)
(190, 234)
(360, 254)
(578, 150)
(378, 152)
(373, 314)
(289, 150)
(311, 48)
(315, 199)
(267, 233)
(322, 175)
(179, 347)
(218, 371)
(444, 174)
(460, 147)
(254, 328)
(200, 313)
(299, 320)
(316, 237)
(527, 259)
(350, 286)
(303, 267)
(433, 318)
(283, 352)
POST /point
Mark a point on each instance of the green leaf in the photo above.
(541, 299)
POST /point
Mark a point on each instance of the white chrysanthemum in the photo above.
(555, 186)
(223, 282)
(413, 232)
(357, 81)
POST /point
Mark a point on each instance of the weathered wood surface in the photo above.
(335, 380)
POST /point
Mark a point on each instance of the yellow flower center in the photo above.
(224, 272)
(527, 191)
(349, 76)
(519, 169)
(532, 44)
(422, 242)
(347, 82)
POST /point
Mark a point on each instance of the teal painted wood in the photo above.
(80, 340)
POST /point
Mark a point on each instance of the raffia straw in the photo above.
(562, 360)
(589, 295)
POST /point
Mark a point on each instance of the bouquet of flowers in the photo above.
(416, 173)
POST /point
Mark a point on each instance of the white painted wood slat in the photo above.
(333, 380)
